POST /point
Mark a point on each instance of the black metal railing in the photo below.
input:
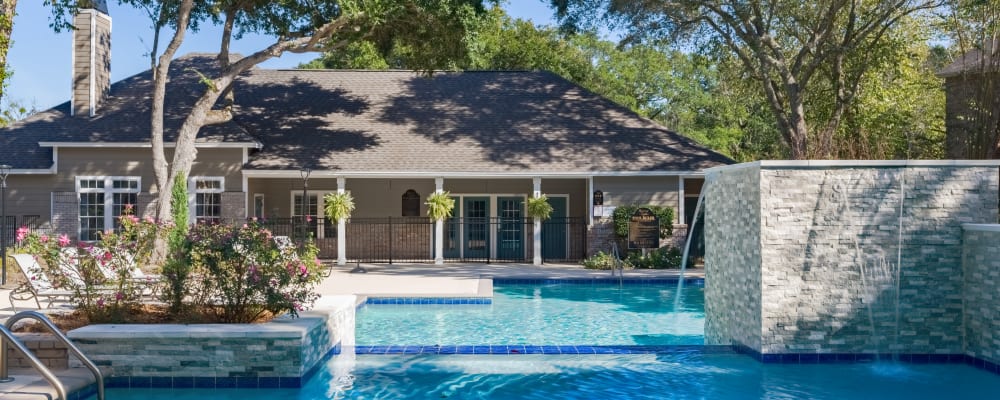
(411, 239)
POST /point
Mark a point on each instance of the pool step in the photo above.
(29, 385)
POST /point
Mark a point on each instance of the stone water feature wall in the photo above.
(786, 243)
(981, 266)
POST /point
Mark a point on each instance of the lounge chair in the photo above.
(150, 283)
(38, 284)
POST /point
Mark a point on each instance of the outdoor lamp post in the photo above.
(4, 171)
(304, 172)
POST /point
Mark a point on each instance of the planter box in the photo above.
(281, 353)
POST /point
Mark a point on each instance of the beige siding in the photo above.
(653, 190)
(30, 195)
(137, 162)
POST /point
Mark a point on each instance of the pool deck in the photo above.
(461, 280)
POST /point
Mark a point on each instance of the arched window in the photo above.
(411, 204)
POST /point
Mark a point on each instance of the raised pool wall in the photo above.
(281, 353)
(784, 241)
(981, 268)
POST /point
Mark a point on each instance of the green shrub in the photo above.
(664, 257)
(175, 268)
(602, 260)
(539, 208)
(440, 206)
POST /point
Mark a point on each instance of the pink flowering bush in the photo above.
(100, 273)
(241, 274)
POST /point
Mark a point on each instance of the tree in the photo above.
(783, 46)
(7, 12)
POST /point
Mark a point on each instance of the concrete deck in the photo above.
(29, 385)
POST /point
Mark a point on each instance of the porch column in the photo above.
(438, 228)
(537, 191)
(341, 228)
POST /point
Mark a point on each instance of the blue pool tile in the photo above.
(864, 357)
(938, 358)
(183, 382)
(268, 382)
(290, 382)
(792, 358)
(603, 350)
(448, 350)
(411, 350)
(550, 350)
(771, 358)
(116, 382)
(225, 382)
(568, 350)
(204, 382)
(533, 350)
(921, 358)
(620, 350)
(496, 349)
(139, 382)
(827, 357)
(808, 358)
(465, 350)
(161, 382)
(516, 349)
(585, 350)
(247, 382)
(394, 349)
(481, 349)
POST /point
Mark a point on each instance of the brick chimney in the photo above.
(91, 59)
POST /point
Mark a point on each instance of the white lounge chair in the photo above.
(38, 284)
(150, 283)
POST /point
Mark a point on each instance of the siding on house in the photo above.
(640, 190)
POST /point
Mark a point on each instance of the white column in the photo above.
(680, 203)
(341, 228)
(536, 192)
(590, 201)
(439, 228)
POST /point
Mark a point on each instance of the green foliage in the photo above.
(623, 214)
(338, 206)
(539, 208)
(440, 206)
(602, 260)
(241, 274)
(179, 211)
(664, 257)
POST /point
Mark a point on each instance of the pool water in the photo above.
(556, 314)
(650, 376)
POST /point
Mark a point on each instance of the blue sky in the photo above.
(40, 58)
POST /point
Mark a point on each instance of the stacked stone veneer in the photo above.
(785, 242)
(981, 267)
(259, 355)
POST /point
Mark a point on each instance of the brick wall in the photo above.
(234, 206)
(49, 350)
(65, 213)
(601, 234)
(981, 267)
(817, 228)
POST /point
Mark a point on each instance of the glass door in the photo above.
(476, 226)
(510, 229)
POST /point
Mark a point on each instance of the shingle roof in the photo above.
(974, 60)
(384, 121)
(123, 117)
(389, 121)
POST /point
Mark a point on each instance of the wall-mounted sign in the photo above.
(598, 198)
(643, 230)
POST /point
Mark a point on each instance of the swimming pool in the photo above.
(548, 314)
(684, 375)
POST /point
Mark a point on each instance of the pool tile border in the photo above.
(520, 349)
(697, 281)
(428, 300)
(828, 358)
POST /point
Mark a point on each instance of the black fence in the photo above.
(10, 225)
(411, 239)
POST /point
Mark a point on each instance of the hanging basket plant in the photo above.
(338, 206)
(539, 208)
(440, 206)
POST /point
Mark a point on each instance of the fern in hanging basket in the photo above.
(338, 206)
(539, 208)
(439, 206)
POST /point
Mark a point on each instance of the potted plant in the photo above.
(440, 206)
(338, 206)
(539, 208)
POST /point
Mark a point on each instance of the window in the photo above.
(411, 204)
(207, 196)
(258, 205)
(102, 201)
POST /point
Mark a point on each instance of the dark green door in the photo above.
(510, 232)
(476, 226)
(554, 231)
(452, 232)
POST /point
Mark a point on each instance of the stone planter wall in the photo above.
(785, 243)
(46, 347)
(281, 353)
(981, 267)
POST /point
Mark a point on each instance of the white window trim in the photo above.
(193, 192)
(108, 190)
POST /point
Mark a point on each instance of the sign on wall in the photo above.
(643, 230)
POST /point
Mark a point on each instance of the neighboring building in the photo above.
(390, 138)
(972, 102)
